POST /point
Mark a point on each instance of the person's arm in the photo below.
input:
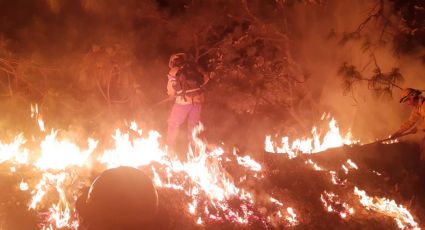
(172, 82)
(170, 88)
(206, 78)
(414, 117)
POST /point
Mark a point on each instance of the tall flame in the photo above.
(313, 144)
(61, 154)
(134, 153)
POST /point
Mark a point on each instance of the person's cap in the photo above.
(409, 93)
(177, 60)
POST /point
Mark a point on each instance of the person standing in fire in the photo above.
(415, 99)
(185, 83)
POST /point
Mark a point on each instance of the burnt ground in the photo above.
(401, 177)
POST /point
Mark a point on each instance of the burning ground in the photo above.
(376, 186)
(275, 66)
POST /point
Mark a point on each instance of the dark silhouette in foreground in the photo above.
(120, 198)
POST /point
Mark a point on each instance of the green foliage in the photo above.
(405, 36)
(381, 83)
(385, 82)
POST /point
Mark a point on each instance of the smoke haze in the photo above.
(72, 39)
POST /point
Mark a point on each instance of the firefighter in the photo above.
(415, 99)
(185, 83)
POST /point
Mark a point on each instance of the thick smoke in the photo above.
(320, 29)
(72, 39)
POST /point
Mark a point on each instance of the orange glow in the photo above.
(23, 186)
(315, 166)
(333, 204)
(35, 114)
(314, 144)
(134, 153)
(203, 170)
(292, 217)
(14, 151)
(61, 154)
(388, 207)
(273, 200)
(248, 162)
(201, 176)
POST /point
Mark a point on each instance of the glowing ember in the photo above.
(292, 217)
(332, 203)
(349, 165)
(377, 173)
(269, 145)
(352, 164)
(35, 114)
(193, 206)
(388, 207)
(336, 180)
(390, 141)
(345, 169)
(315, 166)
(23, 186)
(34, 110)
(247, 162)
(199, 220)
(275, 201)
(41, 124)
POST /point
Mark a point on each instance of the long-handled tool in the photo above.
(412, 131)
(168, 99)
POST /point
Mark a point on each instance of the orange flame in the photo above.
(203, 172)
(61, 154)
(314, 144)
(133, 153)
(13, 151)
(388, 207)
(248, 162)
